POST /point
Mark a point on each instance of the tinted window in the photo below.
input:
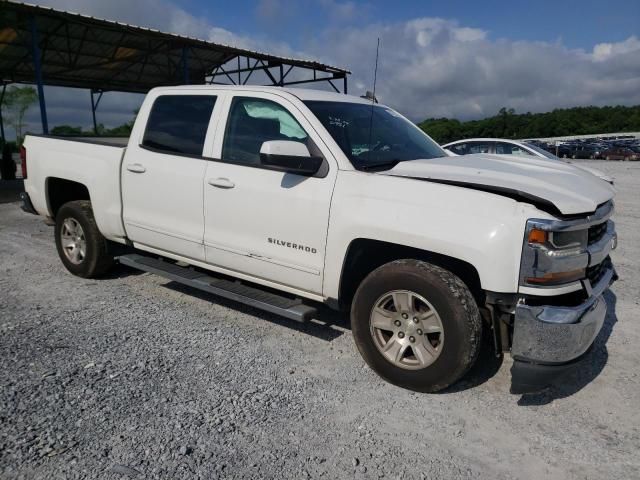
(504, 148)
(460, 148)
(178, 123)
(253, 121)
(479, 147)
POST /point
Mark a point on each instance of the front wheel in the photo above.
(416, 325)
(81, 247)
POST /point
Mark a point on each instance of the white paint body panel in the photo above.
(487, 231)
(175, 208)
(572, 190)
(94, 165)
(253, 226)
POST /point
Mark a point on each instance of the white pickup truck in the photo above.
(284, 199)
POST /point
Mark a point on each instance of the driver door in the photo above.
(266, 224)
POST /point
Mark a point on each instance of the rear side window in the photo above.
(253, 121)
(178, 123)
(479, 147)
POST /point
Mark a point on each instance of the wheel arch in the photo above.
(365, 255)
(59, 191)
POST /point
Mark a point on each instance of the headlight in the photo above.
(558, 252)
(559, 243)
(553, 255)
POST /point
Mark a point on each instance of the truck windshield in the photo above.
(374, 137)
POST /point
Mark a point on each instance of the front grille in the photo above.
(596, 232)
(595, 272)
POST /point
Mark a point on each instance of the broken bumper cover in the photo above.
(549, 341)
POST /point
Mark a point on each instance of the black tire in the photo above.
(455, 305)
(97, 259)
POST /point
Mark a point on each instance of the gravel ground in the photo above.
(133, 376)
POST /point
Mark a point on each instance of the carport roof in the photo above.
(86, 52)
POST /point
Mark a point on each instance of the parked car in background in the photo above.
(503, 146)
(583, 150)
(619, 153)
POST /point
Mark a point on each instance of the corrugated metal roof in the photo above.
(87, 52)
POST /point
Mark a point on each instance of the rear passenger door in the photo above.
(266, 224)
(162, 173)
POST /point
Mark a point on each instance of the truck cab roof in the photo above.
(303, 94)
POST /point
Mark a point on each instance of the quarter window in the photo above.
(178, 123)
(253, 121)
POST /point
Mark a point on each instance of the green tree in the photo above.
(16, 102)
(560, 122)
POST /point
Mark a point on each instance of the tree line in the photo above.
(560, 122)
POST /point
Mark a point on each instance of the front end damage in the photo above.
(549, 334)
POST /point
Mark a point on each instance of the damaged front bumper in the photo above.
(549, 341)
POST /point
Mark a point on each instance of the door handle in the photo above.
(221, 182)
(136, 168)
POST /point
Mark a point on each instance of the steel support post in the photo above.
(35, 50)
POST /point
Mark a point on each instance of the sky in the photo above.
(456, 59)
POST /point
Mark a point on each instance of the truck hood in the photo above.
(594, 171)
(553, 186)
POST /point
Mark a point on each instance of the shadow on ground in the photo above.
(10, 190)
(326, 325)
(486, 366)
(588, 370)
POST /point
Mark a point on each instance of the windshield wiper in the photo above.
(386, 165)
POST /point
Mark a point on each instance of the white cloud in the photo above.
(604, 51)
(431, 67)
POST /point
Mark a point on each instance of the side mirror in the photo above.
(289, 156)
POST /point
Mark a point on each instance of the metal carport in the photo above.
(44, 46)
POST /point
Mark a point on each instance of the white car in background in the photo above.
(503, 146)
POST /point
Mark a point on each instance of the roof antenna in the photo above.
(372, 96)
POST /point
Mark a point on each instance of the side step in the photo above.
(291, 308)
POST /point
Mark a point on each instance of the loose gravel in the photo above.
(133, 376)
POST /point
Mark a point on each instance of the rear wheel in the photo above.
(416, 325)
(82, 248)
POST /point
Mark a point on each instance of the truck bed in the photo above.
(93, 162)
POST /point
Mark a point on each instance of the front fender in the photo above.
(480, 228)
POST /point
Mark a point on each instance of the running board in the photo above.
(291, 308)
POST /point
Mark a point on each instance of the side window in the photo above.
(253, 121)
(460, 148)
(479, 147)
(505, 148)
(178, 123)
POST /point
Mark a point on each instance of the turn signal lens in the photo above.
(558, 277)
(537, 236)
